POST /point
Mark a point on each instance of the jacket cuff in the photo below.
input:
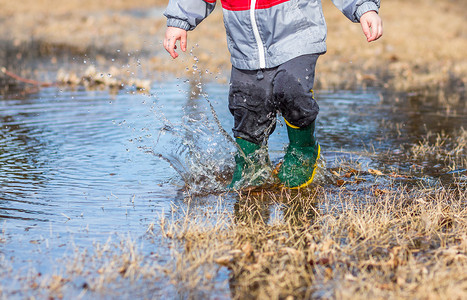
(365, 7)
(172, 22)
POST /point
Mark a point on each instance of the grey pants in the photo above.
(256, 96)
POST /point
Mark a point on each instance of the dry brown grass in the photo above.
(402, 244)
(80, 26)
(443, 148)
(374, 240)
(419, 48)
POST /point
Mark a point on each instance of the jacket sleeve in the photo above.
(187, 14)
(354, 9)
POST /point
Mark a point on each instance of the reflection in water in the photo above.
(279, 205)
(420, 115)
(355, 121)
(266, 223)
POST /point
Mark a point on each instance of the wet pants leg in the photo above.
(255, 97)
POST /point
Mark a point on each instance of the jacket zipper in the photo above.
(259, 42)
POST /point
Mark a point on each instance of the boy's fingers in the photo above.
(166, 45)
(366, 30)
(172, 35)
(183, 42)
(380, 30)
(171, 47)
(376, 30)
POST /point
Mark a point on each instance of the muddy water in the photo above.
(79, 166)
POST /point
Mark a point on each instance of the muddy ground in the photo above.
(419, 52)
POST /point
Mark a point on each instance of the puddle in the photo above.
(79, 166)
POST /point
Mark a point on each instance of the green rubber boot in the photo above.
(301, 156)
(251, 166)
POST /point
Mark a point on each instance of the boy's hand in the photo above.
(172, 34)
(372, 25)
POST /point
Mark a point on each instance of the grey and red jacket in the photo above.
(266, 33)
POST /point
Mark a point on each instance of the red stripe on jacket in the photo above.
(245, 4)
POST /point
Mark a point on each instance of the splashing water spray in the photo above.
(203, 155)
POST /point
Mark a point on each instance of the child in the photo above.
(274, 46)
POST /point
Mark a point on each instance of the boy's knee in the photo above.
(294, 97)
(253, 112)
(247, 96)
(301, 118)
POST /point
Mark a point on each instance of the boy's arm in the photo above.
(354, 9)
(365, 12)
(183, 15)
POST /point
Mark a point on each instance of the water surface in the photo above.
(77, 166)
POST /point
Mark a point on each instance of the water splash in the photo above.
(203, 157)
(201, 152)
(198, 148)
(323, 175)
